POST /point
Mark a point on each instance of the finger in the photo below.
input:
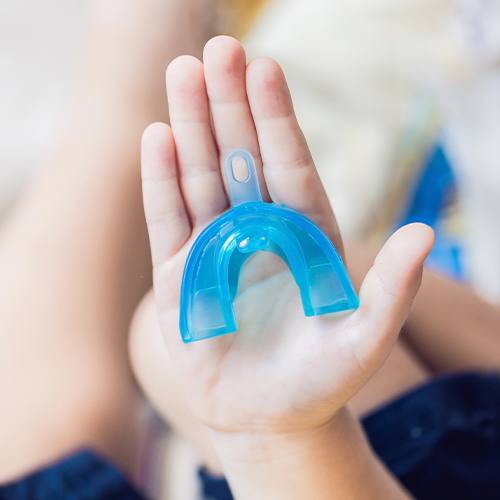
(225, 68)
(289, 170)
(389, 288)
(167, 220)
(196, 152)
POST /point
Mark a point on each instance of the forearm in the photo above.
(334, 461)
(452, 328)
(449, 327)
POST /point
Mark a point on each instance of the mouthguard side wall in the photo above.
(211, 274)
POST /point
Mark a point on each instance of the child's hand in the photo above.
(281, 372)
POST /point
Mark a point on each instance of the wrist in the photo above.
(327, 462)
(263, 445)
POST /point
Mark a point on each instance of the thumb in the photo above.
(389, 288)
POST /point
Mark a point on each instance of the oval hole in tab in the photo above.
(239, 169)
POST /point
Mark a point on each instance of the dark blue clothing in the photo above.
(83, 475)
(441, 440)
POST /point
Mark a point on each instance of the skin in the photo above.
(68, 289)
(450, 328)
(68, 295)
(303, 370)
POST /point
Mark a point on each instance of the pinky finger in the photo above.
(168, 223)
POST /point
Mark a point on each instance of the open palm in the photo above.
(281, 369)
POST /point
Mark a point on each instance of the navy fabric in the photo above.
(441, 440)
(83, 475)
(213, 487)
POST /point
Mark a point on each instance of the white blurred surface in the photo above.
(39, 42)
(472, 137)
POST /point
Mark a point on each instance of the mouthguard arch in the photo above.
(211, 274)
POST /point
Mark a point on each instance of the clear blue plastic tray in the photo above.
(211, 273)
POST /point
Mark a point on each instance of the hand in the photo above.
(281, 372)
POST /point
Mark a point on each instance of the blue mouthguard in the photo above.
(211, 273)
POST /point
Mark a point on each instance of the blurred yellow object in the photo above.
(239, 15)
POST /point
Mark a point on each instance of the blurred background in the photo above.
(400, 102)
